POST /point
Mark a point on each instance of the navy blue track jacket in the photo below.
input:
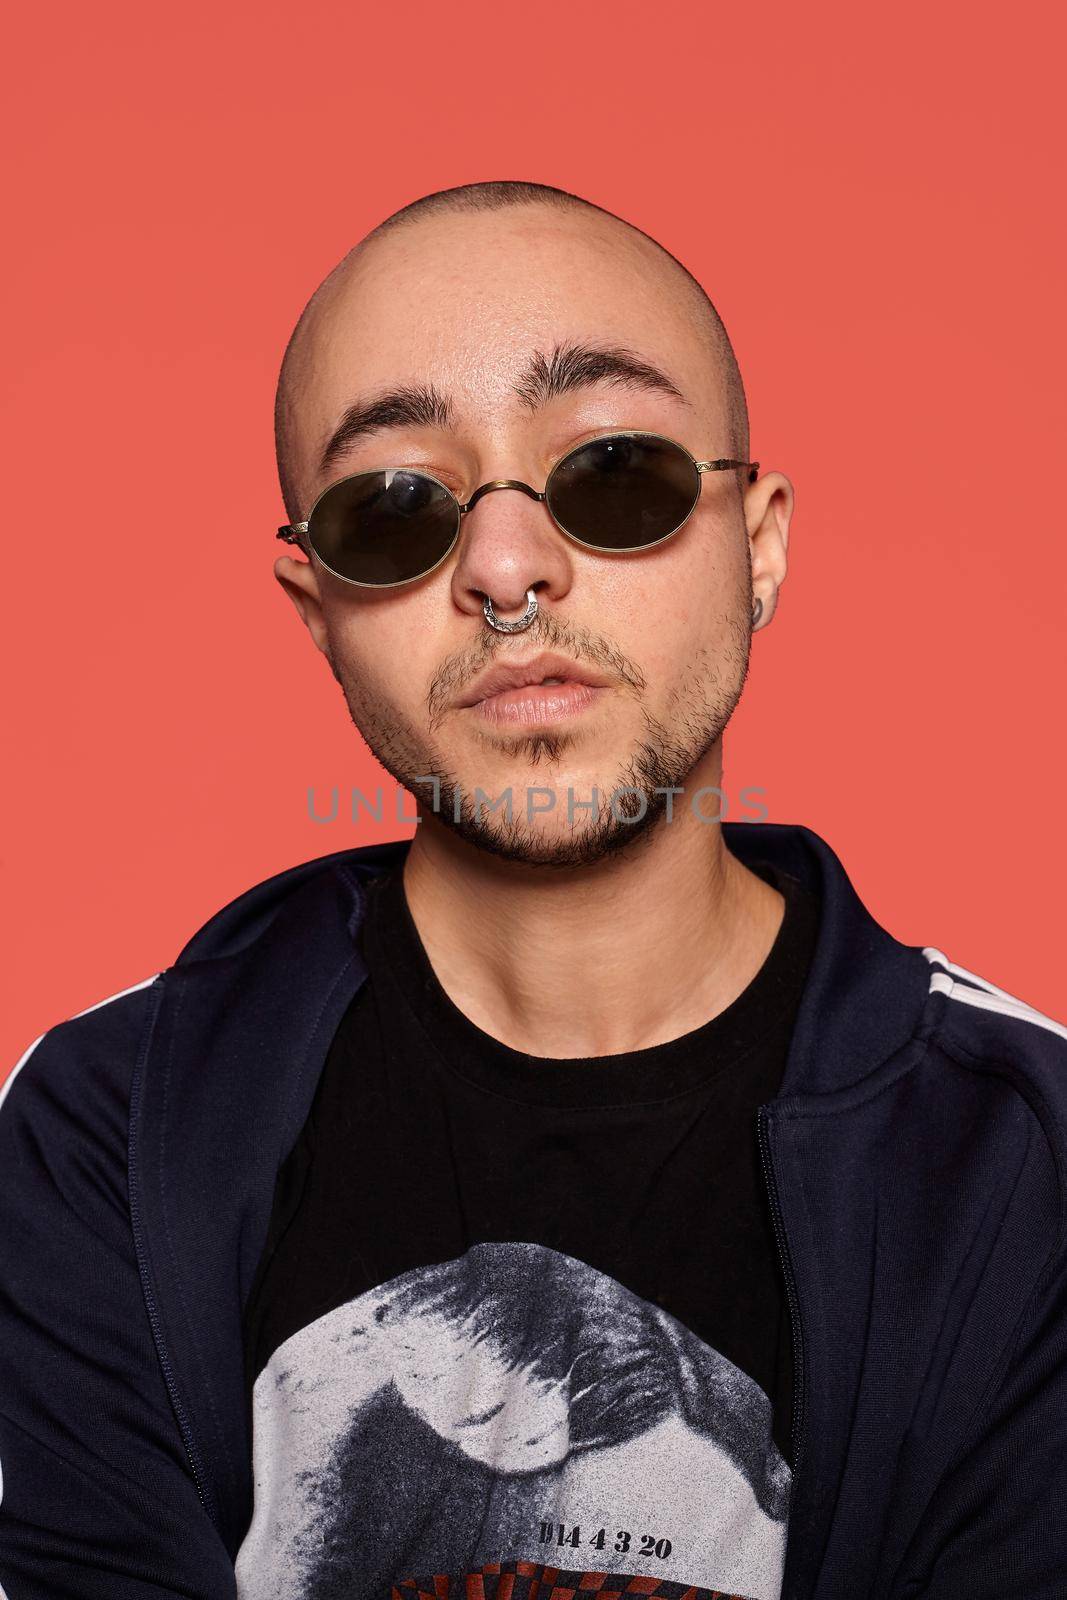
(915, 1164)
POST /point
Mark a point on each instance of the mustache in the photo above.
(545, 632)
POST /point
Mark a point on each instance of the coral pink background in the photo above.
(873, 199)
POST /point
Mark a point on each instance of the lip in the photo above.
(537, 702)
(503, 678)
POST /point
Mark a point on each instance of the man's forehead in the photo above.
(465, 305)
(500, 284)
(520, 369)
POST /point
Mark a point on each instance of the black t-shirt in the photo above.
(520, 1318)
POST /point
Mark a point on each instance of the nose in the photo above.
(509, 544)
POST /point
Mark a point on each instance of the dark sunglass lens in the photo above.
(623, 492)
(384, 527)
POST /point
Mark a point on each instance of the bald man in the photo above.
(586, 1196)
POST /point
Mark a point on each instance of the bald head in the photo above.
(408, 248)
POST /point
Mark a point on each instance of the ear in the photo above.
(768, 512)
(299, 580)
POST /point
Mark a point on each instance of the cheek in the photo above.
(714, 568)
(677, 602)
(376, 653)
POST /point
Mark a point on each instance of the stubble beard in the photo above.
(629, 810)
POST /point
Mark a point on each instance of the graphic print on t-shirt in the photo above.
(512, 1417)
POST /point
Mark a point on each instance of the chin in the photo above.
(550, 840)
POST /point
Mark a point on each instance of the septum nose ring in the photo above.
(511, 627)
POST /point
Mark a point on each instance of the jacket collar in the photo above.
(865, 991)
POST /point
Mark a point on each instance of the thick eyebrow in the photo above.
(569, 367)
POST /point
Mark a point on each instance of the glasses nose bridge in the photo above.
(499, 483)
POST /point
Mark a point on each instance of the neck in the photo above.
(619, 955)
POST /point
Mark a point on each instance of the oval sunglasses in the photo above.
(620, 492)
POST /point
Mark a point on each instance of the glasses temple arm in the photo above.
(724, 465)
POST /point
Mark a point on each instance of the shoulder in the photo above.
(64, 1114)
(93, 1052)
(103, 1031)
(983, 1018)
(988, 1031)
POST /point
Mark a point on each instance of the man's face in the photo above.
(464, 305)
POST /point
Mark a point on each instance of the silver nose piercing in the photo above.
(511, 627)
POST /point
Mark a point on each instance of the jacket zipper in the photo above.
(797, 1421)
(175, 1399)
